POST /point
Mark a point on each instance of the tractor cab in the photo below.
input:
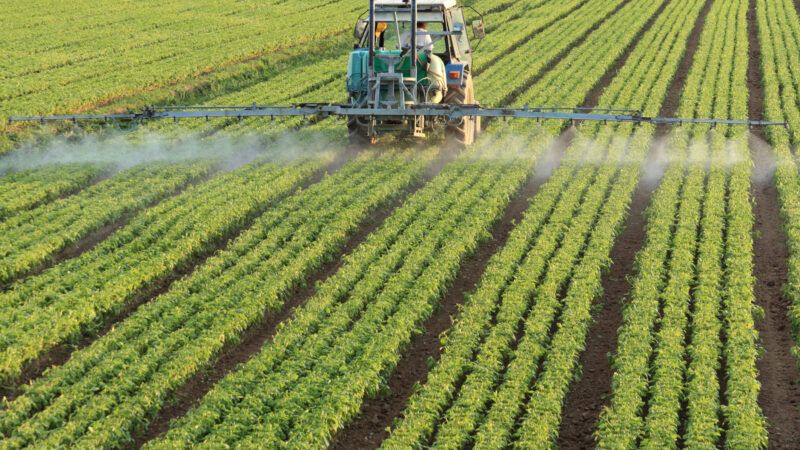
(444, 25)
(410, 54)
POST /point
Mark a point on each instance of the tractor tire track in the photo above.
(779, 396)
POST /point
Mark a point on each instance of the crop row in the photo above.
(141, 18)
(313, 376)
(295, 374)
(108, 24)
(517, 69)
(683, 288)
(30, 188)
(641, 84)
(517, 24)
(49, 342)
(173, 337)
(322, 81)
(32, 237)
(319, 81)
(45, 311)
(479, 402)
(779, 35)
(215, 422)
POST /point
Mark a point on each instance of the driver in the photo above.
(424, 41)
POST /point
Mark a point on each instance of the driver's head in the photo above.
(422, 25)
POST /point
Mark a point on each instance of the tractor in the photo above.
(411, 54)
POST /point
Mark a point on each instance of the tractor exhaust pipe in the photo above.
(371, 61)
(414, 39)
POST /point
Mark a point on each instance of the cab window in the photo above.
(390, 40)
(462, 41)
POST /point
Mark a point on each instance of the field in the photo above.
(260, 283)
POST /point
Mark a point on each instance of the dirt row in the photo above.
(588, 396)
(779, 396)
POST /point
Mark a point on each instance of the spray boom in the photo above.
(448, 112)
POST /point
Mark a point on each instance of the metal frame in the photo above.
(449, 112)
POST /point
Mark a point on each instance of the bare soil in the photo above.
(779, 396)
(588, 396)
(778, 373)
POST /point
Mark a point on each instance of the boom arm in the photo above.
(449, 112)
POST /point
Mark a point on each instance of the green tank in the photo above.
(358, 68)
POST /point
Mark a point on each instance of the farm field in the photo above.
(263, 283)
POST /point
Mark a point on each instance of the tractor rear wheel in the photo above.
(465, 131)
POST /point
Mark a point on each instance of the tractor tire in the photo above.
(357, 135)
(464, 132)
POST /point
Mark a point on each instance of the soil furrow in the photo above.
(587, 397)
(777, 368)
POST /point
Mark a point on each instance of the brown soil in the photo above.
(673, 98)
(369, 429)
(779, 396)
(586, 398)
(254, 338)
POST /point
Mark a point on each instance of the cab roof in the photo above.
(447, 4)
